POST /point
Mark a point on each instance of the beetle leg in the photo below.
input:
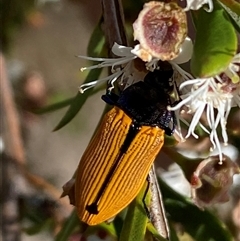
(144, 197)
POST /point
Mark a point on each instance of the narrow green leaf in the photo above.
(134, 226)
(118, 222)
(68, 227)
(40, 227)
(78, 101)
(215, 44)
(95, 47)
(64, 103)
(54, 107)
(173, 233)
(109, 228)
(96, 41)
(200, 224)
(154, 232)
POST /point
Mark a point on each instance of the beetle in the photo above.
(117, 160)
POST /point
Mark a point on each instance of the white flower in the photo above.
(216, 96)
(197, 4)
(120, 67)
(123, 68)
(161, 30)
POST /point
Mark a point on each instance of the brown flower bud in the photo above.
(212, 180)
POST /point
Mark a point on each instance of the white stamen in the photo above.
(120, 67)
(188, 97)
(215, 95)
(195, 121)
(192, 82)
(91, 84)
(181, 71)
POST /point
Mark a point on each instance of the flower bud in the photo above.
(212, 180)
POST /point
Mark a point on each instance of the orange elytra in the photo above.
(117, 160)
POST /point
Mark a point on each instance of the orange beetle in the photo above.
(117, 160)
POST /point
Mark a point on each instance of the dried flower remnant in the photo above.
(216, 95)
(211, 181)
(160, 29)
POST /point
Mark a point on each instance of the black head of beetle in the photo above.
(146, 101)
(160, 79)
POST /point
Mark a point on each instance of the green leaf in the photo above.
(96, 41)
(78, 101)
(135, 223)
(40, 227)
(64, 103)
(109, 228)
(68, 227)
(154, 232)
(173, 233)
(54, 107)
(215, 44)
(118, 221)
(201, 225)
(95, 47)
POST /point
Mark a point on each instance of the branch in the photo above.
(113, 23)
